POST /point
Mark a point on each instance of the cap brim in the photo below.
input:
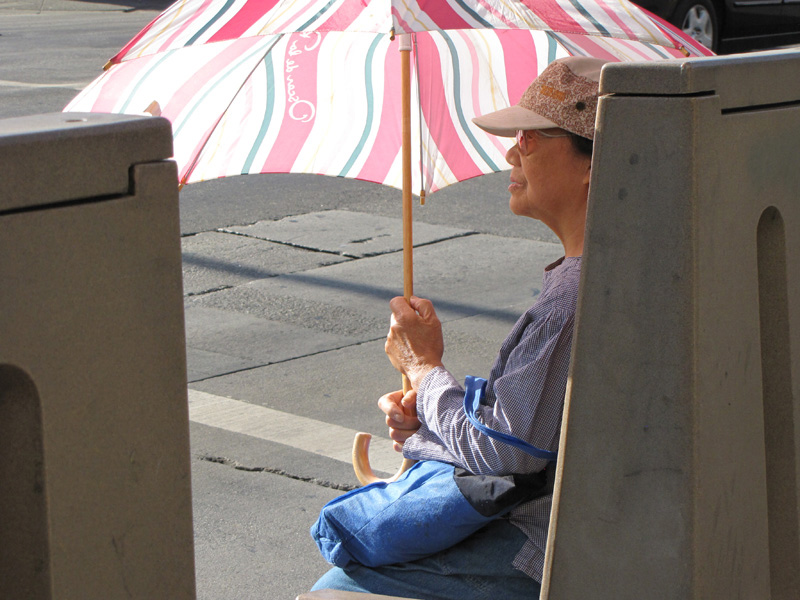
(508, 121)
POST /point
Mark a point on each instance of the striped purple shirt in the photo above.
(524, 396)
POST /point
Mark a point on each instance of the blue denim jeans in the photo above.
(479, 568)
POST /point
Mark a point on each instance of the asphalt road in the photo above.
(287, 280)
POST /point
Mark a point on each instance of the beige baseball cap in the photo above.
(563, 95)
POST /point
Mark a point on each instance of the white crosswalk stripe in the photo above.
(310, 435)
(79, 85)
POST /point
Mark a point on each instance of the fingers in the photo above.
(410, 424)
(400, 307)
(423, 307)
(391, 407)
(406, 308)
(399, 436)
(400, 410)
(401, 416)
(409, 402)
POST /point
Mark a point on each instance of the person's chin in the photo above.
(516, 206)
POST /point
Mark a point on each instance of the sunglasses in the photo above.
(522, 138)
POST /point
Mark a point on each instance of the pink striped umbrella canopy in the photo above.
(310, 86)
(314, 86)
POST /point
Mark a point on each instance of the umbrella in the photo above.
(260, 86)
(317, 86)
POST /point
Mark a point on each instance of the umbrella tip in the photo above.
(391, 34)
(154, 109)
(422, 197)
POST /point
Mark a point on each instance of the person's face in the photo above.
(548, 177)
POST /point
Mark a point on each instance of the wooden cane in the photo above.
(361, 464)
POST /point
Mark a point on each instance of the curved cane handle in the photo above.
(361, 461)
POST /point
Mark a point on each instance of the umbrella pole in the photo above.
(408, 239)
(361, 464)
(408, 269)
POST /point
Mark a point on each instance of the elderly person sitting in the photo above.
(553, 125)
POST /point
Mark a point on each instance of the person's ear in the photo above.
(587, 176)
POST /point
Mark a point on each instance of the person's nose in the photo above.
(513, 157)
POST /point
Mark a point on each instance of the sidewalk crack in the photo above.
(240, 467)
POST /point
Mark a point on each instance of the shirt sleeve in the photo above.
(525, 398)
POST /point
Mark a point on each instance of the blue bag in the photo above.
(429, 508)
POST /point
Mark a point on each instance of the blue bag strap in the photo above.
(475, 389)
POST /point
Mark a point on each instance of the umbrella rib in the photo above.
(196, 158)
(419, 121)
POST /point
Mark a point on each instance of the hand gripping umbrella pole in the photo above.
(361, 464)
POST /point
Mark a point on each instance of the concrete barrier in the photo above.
(95, 492)
(680, 449)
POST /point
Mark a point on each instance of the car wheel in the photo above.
(699, 19)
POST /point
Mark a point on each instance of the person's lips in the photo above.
(514, 185)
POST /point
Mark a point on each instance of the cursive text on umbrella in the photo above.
(299, 109)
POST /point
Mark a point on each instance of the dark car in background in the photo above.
(732, 25)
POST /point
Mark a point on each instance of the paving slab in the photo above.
(281, 303)
(215, 260)
(346, 233)
(252, 536)
(230, 337)
(479, 274)
(203, 364)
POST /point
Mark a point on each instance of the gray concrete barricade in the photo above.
(680, 449)
(95, 492)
